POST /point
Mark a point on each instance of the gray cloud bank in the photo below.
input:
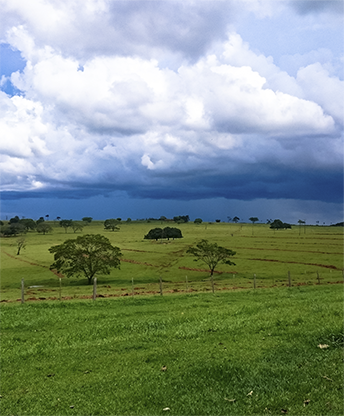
(163, 100)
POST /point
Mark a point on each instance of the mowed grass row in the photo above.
(269, 352)
(306, 252)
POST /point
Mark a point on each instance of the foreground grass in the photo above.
(239, 353)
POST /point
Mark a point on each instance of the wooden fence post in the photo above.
(22, 291)
(289, 279)
(94, 288)
(160, 286)
(254, 281)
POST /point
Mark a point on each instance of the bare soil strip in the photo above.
(327, 266)
(280, 249)
(33, 264)
(204, 270)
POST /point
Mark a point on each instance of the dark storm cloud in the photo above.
(318, 6)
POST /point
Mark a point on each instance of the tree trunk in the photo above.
(212, 281)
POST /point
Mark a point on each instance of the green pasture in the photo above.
(311, 254)
(250, 352)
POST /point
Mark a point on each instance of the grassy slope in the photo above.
(106, 357)
(268, 254)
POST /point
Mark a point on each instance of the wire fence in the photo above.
(160, 287)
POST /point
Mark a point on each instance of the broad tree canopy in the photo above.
(211, 254)
(167, 232)
(87, 255)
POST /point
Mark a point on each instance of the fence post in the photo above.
(60, 288)
(22, 291)
(318, 278)
(254, 281)
(160, 286)
(289, 279)
(94, 288)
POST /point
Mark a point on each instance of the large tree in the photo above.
(211, 254)
(87, 255)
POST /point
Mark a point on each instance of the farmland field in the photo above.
(310, 254)
(270, 351)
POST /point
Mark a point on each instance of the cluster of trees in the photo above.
(279, 225)
(167, 232)
(181, 219)
(17, 226)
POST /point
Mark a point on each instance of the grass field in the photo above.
(266, 352)
(304, 252)
(271, 351)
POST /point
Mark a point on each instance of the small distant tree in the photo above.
(87, 256)
(77, 227)
(254, 219)
(211, 254)
(14, 220)
(128, 219)
(66, 224)
(235, 219)
(87, 220)
(21, 244)
(198, 221)
(28, 223)
(40, 219)
(111, 224)
(217, 220)
(44, 228)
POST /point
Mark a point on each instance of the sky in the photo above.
(139, 109)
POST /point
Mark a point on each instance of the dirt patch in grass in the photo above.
(55, 272)
(204, 270)
(284, 250)
(138, 262)
(327, 266)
